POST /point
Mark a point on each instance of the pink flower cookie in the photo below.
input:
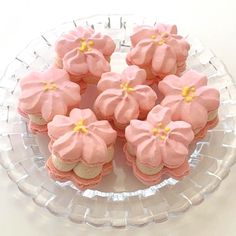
(82, 148)
(158, 50)
(46, 94)
(124, 97)
(158, 146)
(191, 100)
(84, 54)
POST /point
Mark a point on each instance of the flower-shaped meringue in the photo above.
(78, 37)
(84, 62)
(159, 49)
(189, 98)
(159, 142)
(48, 93)
(84, 53)
(124, 96)
(81, 137)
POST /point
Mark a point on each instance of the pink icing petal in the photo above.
(148, 153)
(208, 97)
(193, 78)
(71, 40)
(59, 126)
(31, 78)
(145, 96)
(126, 110)
(107, 101)
(173, 153)
(142, 53)
(35, 98)
(137, 132)
(94, 149)
(174, 102)
(171, 29)
(164, 61)
(97, 64)
(141, 33)
(171, 84)
(180, 46)
(109, 80)
(70, 92)
(69, 147)
(103, 43)
(133, 75)
(180, 171)
(53, 106)
(103, 130)
(82, 114)
(75, 62)
(58, 75)
(194, 113)
(181, 132)
(159, 114)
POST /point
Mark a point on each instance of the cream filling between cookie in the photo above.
(37, 119)
(62, 166)
(87, 172)
(148, 170)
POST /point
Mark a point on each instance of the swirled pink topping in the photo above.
(85, 62)
(81, 137)
(160, 48)
(159, 140)
(48, 93)
(189, 98)
(75, 38)
(124, 96)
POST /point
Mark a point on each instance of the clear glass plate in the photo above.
(120, 200)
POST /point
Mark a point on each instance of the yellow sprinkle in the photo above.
(155, 131)
(193, 89)
(161, 42)
(153, 36)
(188, 99)
(185, 91)
(162, 137)
(82, 39)
(166, 129)
(91, 43)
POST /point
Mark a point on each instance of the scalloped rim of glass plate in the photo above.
(120, 196)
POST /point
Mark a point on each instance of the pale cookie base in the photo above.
(148, 170)
(212, 115)
(87, 172)
(62, 166)
(131, 149)
(37, 119)
(110, 151)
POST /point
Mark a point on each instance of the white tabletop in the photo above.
(212, 21)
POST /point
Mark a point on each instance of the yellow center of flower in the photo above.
(80, 127)
(188, 93)
(49, 86)
(85, 45)
(127, 88)
(160, 39)
(161, 131)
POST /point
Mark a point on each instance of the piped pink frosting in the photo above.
(85, 52)
(72, 40)
(159, 48)
(124, 96)
(153, 150)
(48, 93)
(202, 99)
(87, 143)
(82, 64)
